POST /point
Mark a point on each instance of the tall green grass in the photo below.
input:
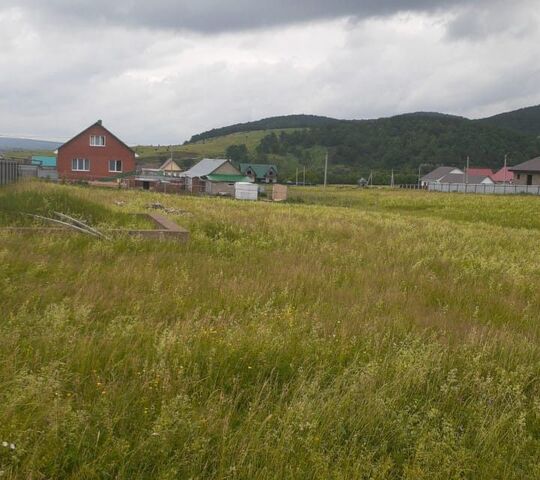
(283, 341)
(19, 202)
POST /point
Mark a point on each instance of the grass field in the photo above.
(347, 334)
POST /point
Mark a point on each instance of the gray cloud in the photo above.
(155, 74)
(219, 16)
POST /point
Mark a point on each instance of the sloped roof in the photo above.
(476, 172)
(168, 162)
(439, 173)
(532, 165)
(97, 124)
(260, 169)
(503, 175)
(205, 167)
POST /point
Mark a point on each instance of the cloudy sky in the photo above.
(159, 71)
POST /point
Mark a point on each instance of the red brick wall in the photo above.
(99, 156)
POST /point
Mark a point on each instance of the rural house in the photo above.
(527, 173)
(451, 175)
(95, 154)
(437, 175)
(260, 173)
(504, 175)
(213, 176)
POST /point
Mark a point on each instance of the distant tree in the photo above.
(237, 153)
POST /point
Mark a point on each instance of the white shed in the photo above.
(246, 191)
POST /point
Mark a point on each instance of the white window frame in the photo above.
(77, 163)
(94, 143)
(116, 162)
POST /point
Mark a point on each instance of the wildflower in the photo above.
(12, 446)
(4, 444)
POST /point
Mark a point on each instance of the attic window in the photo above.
(97, 140)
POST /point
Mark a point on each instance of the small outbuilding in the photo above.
(246, 191)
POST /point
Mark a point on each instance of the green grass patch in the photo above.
(371, 334)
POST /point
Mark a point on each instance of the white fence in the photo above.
(484, 188)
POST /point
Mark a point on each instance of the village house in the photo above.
(95, 154)
(437, 175)
(473, 176)
(213, 176)
(504, 175)
(527, 173)
(260, 173)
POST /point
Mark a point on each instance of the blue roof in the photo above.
(44, 161)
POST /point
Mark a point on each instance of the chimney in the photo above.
(99, 122)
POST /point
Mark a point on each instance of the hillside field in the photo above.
(346, 334)
(212, 147)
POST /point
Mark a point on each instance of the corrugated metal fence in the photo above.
(9, 172)
(485, 188)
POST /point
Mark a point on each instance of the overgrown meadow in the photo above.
(346, 334)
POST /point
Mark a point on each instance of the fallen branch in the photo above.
(81, 224)
(65, 224)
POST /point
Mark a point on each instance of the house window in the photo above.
(80, 165)
(97, 140)
(518, 176)
(115, 165)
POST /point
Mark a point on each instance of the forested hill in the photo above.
(405, 142)
(272, 123)
(525, 120)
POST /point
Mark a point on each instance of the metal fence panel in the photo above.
(485, 188)
(9, 172)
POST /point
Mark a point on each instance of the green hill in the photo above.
(272, 123)
(524, 120)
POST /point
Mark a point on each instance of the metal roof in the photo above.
(528, 166)
(205, 167)
(439, 173)
(503, 175)
(260, 169)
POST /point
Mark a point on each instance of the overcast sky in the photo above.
(159, 71)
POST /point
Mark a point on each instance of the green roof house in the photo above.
(259, 172)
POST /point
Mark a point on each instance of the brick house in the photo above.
(94, 154)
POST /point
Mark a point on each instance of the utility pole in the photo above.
(304, 182)
(505, 165)
(467, 171)
(392, 179)
(297, 176)
(326, 169)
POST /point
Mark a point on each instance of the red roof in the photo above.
(503, 175)
(479, 172)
